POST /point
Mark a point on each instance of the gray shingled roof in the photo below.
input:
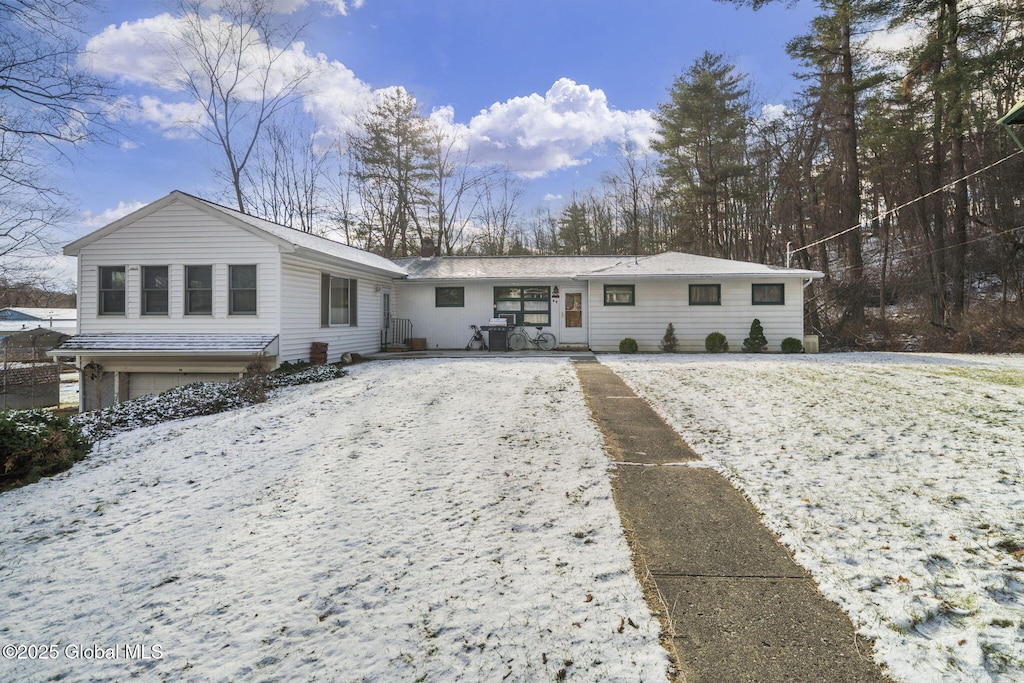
(546, 267)
(504, 267)
(228, 344)
(674, 263)
(309, 241)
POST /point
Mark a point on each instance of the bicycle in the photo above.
(520, 339)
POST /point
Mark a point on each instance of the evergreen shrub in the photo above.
(756, 342)
(716, 343)
(670, 343)
(792, 345)
(35, 444)
(628, 345)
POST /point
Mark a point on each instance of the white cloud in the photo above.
(93, 221)
(337, 98)
(176, 119)
(142, 52)
(534, 134)
(136, 51)
(537, 134)
(552, 197)
(772, 112)
(883, 44)
(290, 6)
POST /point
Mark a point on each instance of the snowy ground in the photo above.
(897, 480)
(419, 520)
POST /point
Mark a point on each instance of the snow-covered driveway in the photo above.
(427, 520)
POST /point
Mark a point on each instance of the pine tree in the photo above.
(702, 131)
(756, 342)
(669, 343)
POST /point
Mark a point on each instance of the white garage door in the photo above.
(145, 383)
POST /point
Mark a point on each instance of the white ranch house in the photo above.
(185, 290)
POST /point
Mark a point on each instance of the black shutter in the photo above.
(353, 301)
(325, 300)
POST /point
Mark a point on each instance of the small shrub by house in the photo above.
(628, 345)
(669, 342)
(756, 341)
(716, 343)
(792, 345)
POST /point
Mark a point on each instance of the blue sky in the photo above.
(553, 84)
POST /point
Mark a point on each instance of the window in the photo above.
(112, 290)
(620, 295)
(154, 290)
(524, 305)
(242, 290)
(449, 297)
(338, 298)
(198, 290)
(705, 295)
(768, 295)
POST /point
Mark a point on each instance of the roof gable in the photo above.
(287, 238)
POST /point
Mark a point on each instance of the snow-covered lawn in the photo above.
(419, 520)
(897, 480)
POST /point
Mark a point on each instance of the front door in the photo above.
(574, 329)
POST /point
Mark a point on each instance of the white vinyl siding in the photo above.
(301, 316)
(660, 301)
(448, 327)
(175, 236)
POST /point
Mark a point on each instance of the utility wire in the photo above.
(913, 247)
(882, 215)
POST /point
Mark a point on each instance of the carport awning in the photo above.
(1014, 117)
(167, 345)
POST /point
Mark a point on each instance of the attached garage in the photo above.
(117, 367)
(146, 383)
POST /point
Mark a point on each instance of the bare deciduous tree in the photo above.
(236, 63)
(48, 104)
(497, 213)
(285, 185)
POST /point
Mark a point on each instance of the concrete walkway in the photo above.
(734, 604)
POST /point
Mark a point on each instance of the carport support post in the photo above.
(122, 384)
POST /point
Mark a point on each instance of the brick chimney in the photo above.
(427, 249)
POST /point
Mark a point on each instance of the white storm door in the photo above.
(574, 324)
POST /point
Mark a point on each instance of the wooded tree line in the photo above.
(870, 131)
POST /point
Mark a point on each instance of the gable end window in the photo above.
(449, 297)
(620, 295)
(705, 295)
(338, 299)
(198, 290)
(112, 290)
(154, 290)
(768, 295)
(242, 290)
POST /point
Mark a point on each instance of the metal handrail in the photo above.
(395, 332)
